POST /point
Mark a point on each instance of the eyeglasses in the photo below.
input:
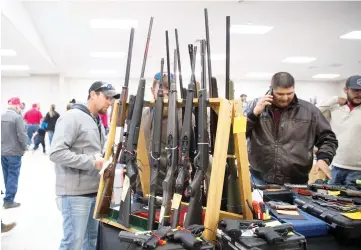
(157, 76)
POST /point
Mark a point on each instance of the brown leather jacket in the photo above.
(288, 157)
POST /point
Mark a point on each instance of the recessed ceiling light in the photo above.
(298, 59)
(102, 72)
(215, 57)
(14, 67)
(250, 29)
(352, 35)
(259, 74)
(106, 54)
(7, 52)
(113, 24)
(325, 76)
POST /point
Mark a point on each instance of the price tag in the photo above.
(125, 188)
(177, 198)
(239, 125)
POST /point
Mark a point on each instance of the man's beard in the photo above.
(351, 101)
(103, 111)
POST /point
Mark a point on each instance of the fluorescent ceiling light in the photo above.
(113, 24)
(215, 57)
(325, 76)
(102, 71)
(107, 54)
(250, 29)
(7, 52)
(259, 74)
(14, 67)
(352, 35)
(298, 59)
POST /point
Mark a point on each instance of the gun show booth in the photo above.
(206, 198)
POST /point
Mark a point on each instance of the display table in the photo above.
(108, 240)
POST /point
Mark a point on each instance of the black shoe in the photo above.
(13, 204)
(7, 227)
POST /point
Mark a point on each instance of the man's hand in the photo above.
(99, 160)
(342, 101)
(323, 166)
(262, 103)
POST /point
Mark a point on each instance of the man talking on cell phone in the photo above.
(282, 131)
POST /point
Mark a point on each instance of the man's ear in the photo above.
(345, 90)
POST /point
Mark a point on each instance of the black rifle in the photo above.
(185, 143)
(343, 190)
(201, 161)
(156, 149)
(233, 190)
(171, 148)
(212, 85)
(130, 150)
(179, 66)
(109, 173)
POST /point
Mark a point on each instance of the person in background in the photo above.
(13, 146)
(50, 118)
(22, 107)
(76, 150)
(104, 119)
(344, 115)
(282, 131)
(32, 118)
(244, 102)
(39, 137)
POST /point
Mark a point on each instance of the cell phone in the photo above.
(270, 91)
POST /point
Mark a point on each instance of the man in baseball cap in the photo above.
(344, 115)
(13, 146)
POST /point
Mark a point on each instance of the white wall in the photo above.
(59, 91)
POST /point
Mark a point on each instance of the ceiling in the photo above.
(300, 29)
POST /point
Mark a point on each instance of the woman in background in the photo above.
(51, 117)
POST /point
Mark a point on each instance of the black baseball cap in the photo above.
(354, 82)
(106, 88)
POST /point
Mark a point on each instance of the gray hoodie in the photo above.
(78, 137)
(13, 137)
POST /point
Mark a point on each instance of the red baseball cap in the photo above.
(35, 105)
(14, 101)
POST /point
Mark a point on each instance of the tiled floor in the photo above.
(38, 219)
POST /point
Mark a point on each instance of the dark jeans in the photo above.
(256, 178)
(11, 170)
(342, 176)
(39, 140)
(31, 129)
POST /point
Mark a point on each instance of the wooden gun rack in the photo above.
(229, 112)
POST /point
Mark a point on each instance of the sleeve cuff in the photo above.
(252, 116)
(324, 156)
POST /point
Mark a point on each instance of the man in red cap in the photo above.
(33, 119)
(13, 146)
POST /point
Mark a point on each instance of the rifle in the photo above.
(201, 161)
(156, 149)
(171, 148)
(179, 66)
(212, 85)
(109, 173)
(233, 190)
(343, 190)
(129, 153)
(185, 143)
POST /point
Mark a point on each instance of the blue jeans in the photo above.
(11, 171)
(50, 134)
(255, 179)
(80, 230)
(342, 176)
(31, 129)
